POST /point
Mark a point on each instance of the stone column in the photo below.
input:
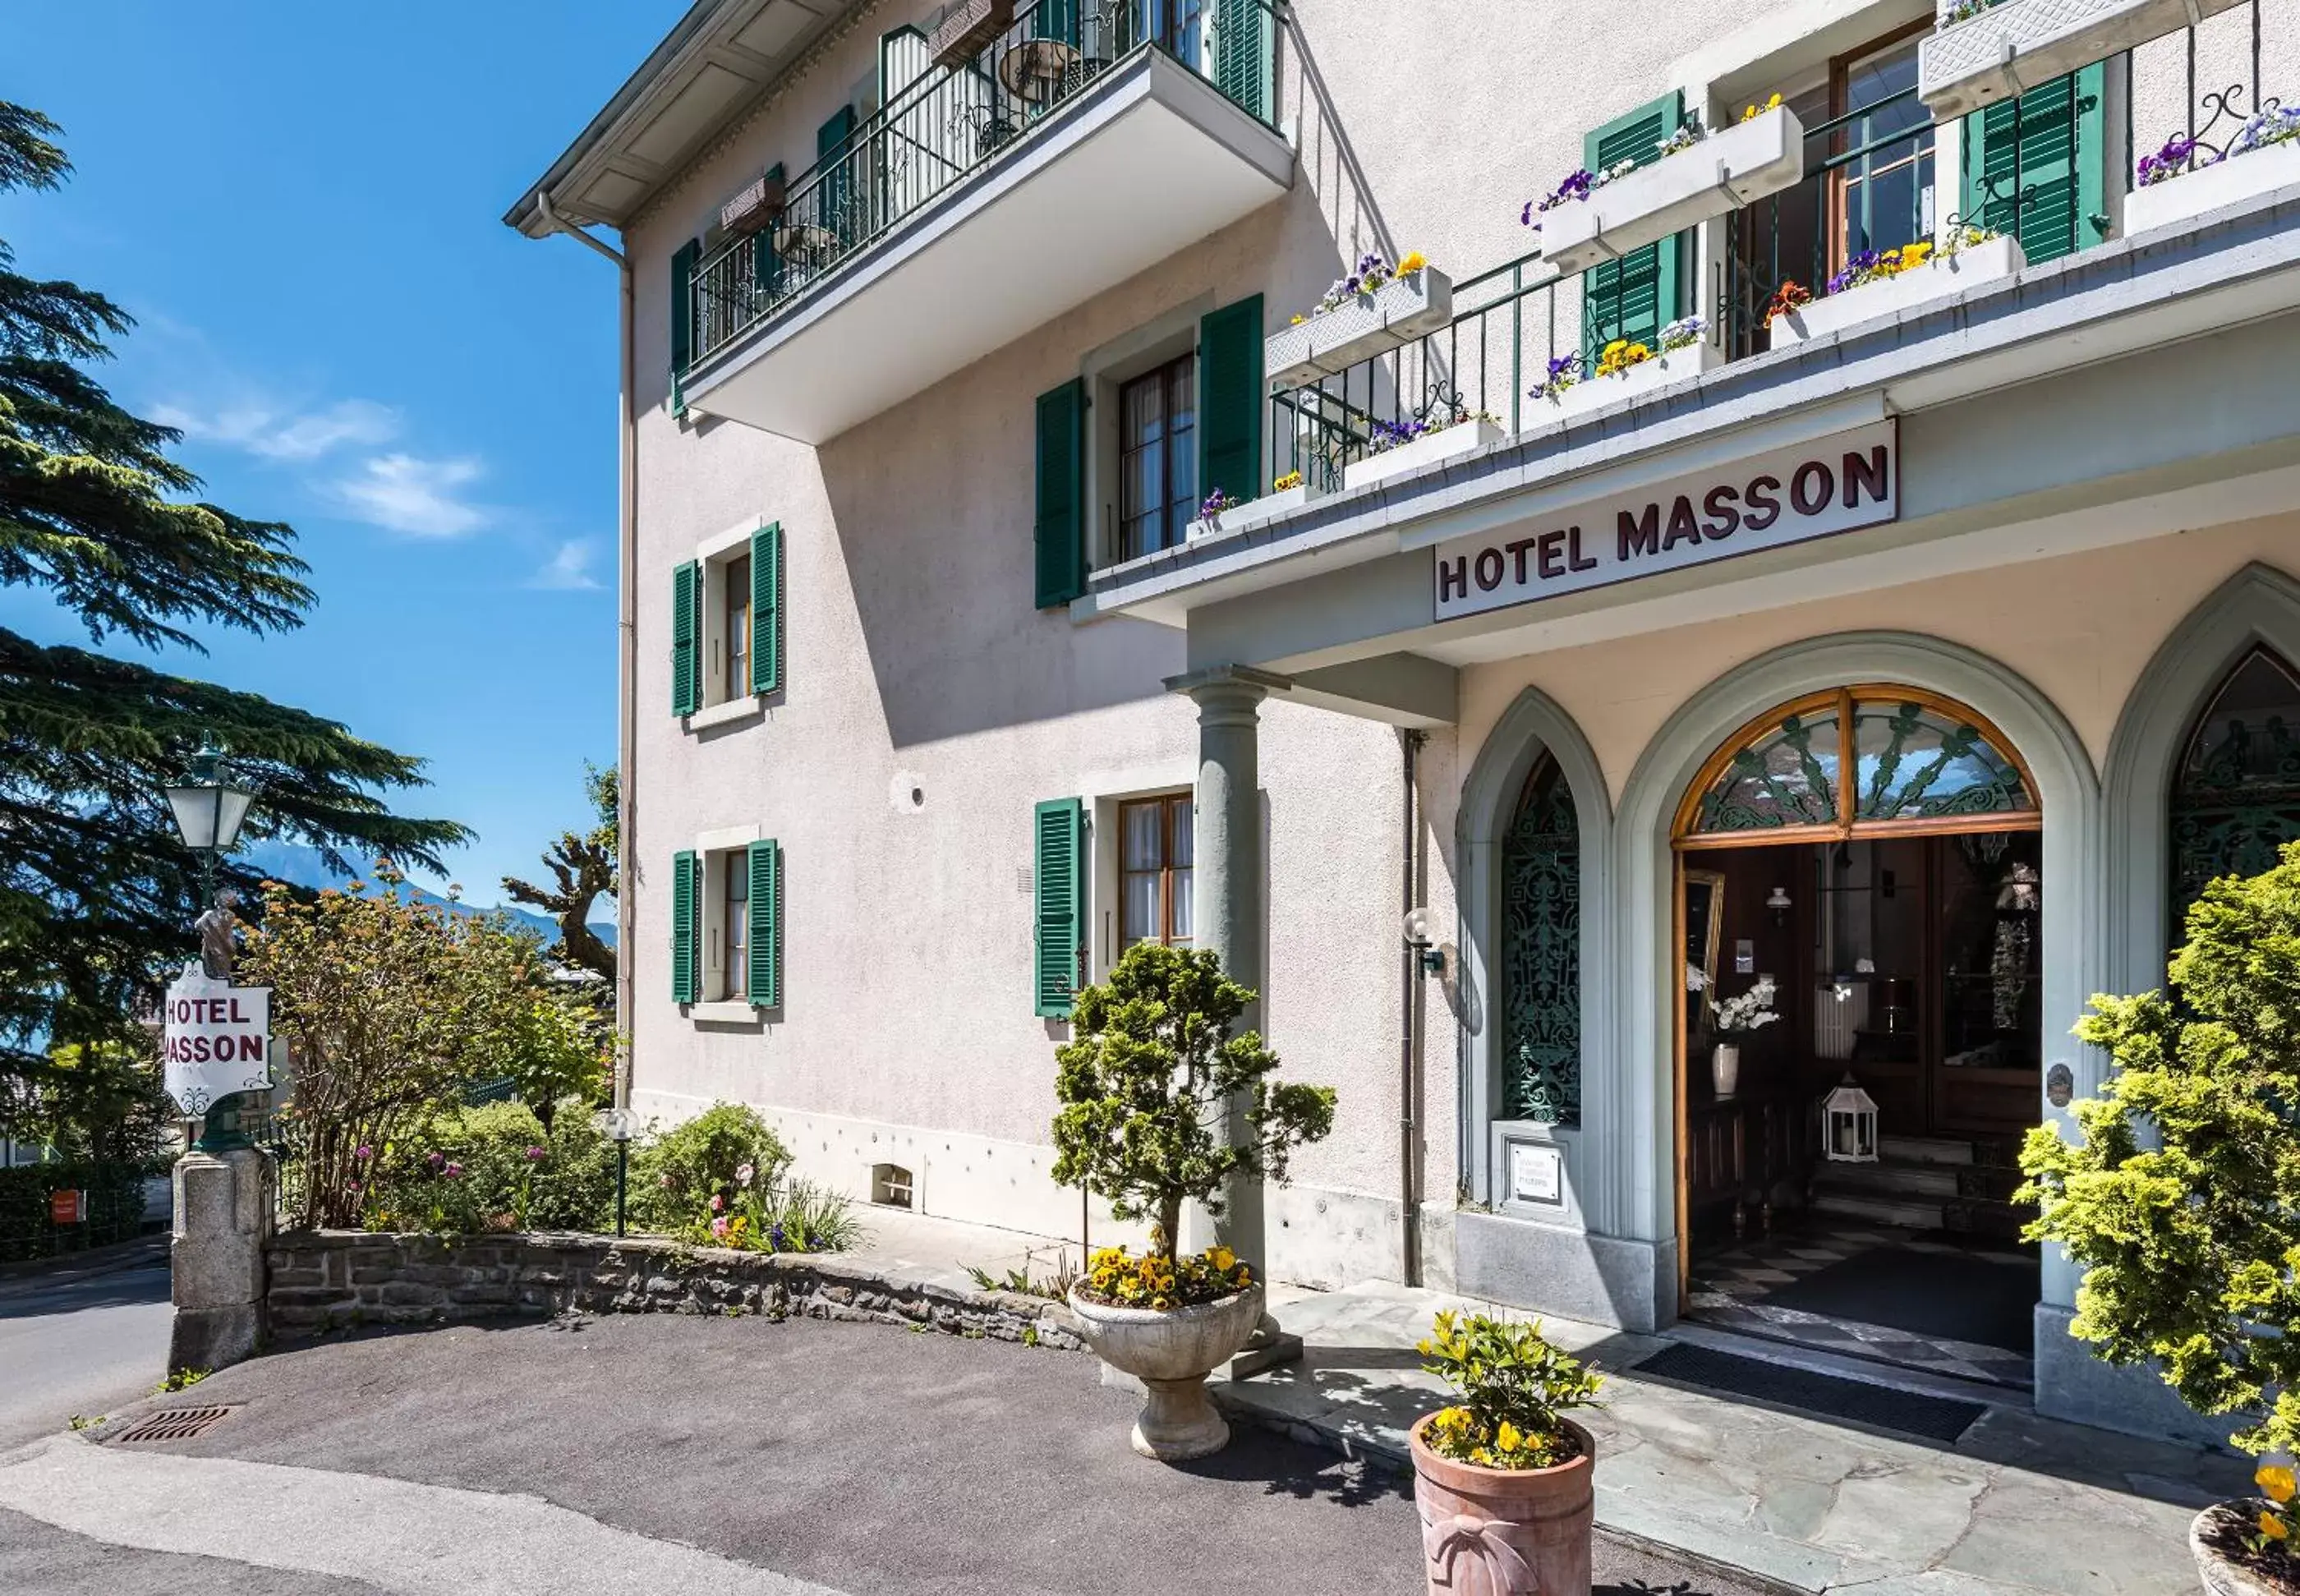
(224, 1202)
(1227, 915)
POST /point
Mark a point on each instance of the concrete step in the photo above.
(1924, 1149)
(1885, 1179)
(1907, 1212)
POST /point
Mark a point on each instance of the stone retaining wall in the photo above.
(339, 1279)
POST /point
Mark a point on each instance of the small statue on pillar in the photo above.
(217, 945)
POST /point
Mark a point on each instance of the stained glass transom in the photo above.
(1786, 777)
(2236, 797)
(1917, 762)
(1541, 953)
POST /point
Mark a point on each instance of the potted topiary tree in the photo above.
(1146, 1087)
(2177, 1199)
(1503, 1478)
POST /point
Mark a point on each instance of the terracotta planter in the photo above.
(1506, 1531)
(2216, 1539)
(1171, 1353)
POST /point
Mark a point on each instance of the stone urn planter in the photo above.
(1172, 1351)
(1506, 1531)
(2219, 1539)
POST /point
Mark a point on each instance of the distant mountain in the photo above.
(300, 865)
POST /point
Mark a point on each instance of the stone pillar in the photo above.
(224, 1202)
(1229, 916)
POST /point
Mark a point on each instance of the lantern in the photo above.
(1849, 1124)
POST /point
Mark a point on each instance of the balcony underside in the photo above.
(1148, 162)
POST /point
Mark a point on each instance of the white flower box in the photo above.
(1724, 171)
(1255, 511)
(2179, 200)
(1464, 437)
(2016, 45)
(1938, 278)
(1678, 365)
(1402, 310)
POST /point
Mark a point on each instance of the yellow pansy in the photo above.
(2276, 1480)
(1508, 1439)
(2273, 1527)
(1413, 263)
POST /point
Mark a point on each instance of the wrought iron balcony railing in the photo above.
(950, 122)
(1868, 186)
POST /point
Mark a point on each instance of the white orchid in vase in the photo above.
(1738, 1016)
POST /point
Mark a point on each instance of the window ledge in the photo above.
(725, 714)
(735, 1013)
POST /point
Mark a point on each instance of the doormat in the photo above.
(1938, 1292)
(1936, 1418)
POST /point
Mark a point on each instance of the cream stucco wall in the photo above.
(915, 659)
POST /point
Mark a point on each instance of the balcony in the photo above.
(1084, 143)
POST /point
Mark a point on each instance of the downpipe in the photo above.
(1409, 994)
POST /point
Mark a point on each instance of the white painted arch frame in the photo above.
(2258, 605)
(1639, 1095)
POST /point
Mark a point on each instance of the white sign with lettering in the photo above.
(216, 1041)
(1537, 1174)
(1836, 484)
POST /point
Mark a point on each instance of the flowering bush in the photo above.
(697, 1171)
(1787, 299)
(1564, 371)
(1618, 356)
(1116, 1278)
(492, 1167)
(1683, 333)
(1290, 481)
(1516, 1387)
(1749, 1011)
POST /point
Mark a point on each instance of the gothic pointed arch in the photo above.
(1541, 985)
(2236, 791)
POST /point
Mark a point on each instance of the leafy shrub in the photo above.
(700, 1170)
(800, 1218)
(2177, 1197)
(495, 1167)
(1147, 1079)
(1516, 1387)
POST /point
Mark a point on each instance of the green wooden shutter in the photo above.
(2035, 168)
(686, 638)
(1061, 875)
(1062, 494)
(1638, 294)
(766, 971)
(766, 266)
(1229, 400)
(767, 608)
(1244, 55)
(682, 314)
(834, 194)
(685, 910)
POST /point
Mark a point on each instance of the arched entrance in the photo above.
(1864, 864)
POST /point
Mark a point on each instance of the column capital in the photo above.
(1229, 683)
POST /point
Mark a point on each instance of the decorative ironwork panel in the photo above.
(1915, 763)
(2236, 797)
(1541, 953)
(1786, 777)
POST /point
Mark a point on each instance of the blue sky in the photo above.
(300, 205)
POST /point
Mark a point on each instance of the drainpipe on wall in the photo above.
(1408, 1096)
(626, 649)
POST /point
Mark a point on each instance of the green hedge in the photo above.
(115, 1207)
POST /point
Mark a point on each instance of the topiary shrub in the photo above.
(2178, 1195)
(1148, 1079)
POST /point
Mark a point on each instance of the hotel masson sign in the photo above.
(216, 1041)
(1835, 484)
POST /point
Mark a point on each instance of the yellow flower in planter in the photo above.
(1291, 479)
(1413, 263)
(2273, 1527)
(2276, 1482)
(1751, 113)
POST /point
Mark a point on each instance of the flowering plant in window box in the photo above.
(1787, 300)
(1983, 53)
(1411, 442)
(1564, 371)
(1369, 310)
(1287, 483)
(1628, 368)
(1877, 283)
(2177, 184)
(1593, 217)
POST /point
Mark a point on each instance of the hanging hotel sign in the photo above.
(216, 1040)
(1835, 484)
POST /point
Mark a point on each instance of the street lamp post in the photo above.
(209, 808)
(619, 1124)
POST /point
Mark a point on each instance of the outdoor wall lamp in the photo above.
(1431, 958)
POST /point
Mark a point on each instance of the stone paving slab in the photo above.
(2020, 1505)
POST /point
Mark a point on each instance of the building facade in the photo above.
(1910, 654)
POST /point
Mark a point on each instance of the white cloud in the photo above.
(569, 568)
(418, 496)
(270, 432)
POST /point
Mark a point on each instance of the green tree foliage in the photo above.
(97, 1103)
(389, 1006)
(1150, 1077)
(97, 892)
(2178, 1197)
(584, 868)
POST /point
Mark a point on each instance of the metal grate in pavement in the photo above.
(1937, 1418)
(175, 1423)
